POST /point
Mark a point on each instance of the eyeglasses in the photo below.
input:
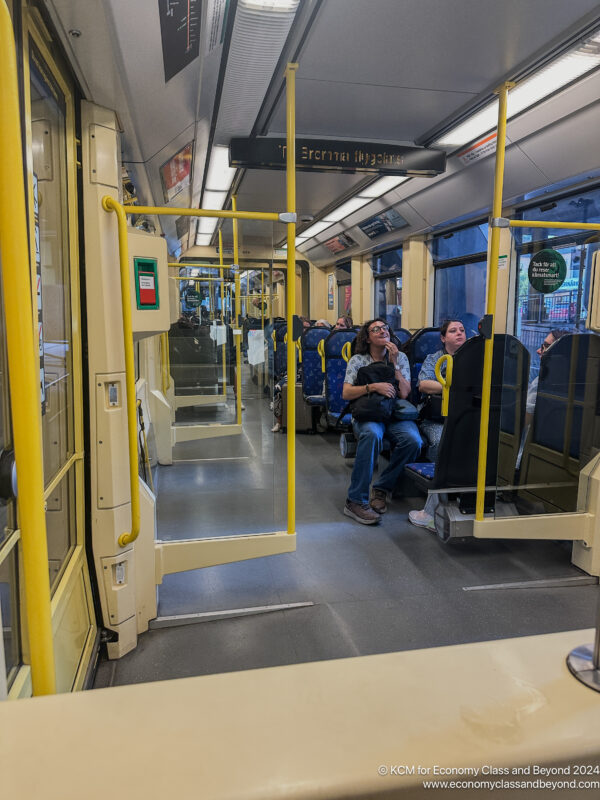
(544, 346)
(378, 329)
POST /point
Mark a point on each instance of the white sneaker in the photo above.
(421, 519)
(276, 428)
(271, 406)
(243, 407)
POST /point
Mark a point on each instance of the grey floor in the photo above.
(374, 589)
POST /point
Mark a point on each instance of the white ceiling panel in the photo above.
(359, 111)
(453, 45)
(264, 190)
(571, 138)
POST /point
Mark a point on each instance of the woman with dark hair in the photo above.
(452, 334)
(372, 345)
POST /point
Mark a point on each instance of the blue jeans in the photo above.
(406, 443)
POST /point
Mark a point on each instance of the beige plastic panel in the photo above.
(118, 586)
(104, 167)
(71, 630)
(43, 162)
(112, 458)
(148, 322)
(417, 284)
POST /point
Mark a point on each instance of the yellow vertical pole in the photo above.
(290, 82)
(238, 355)
(223, 311)
(24, 371)
(491, 298)
(262, 299)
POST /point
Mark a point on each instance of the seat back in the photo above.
(458, 451)
(417, 348)
(335, 370)
(402, 335)
(193, 357)
(565, 431)
(312, 366)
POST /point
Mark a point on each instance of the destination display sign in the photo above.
(325, 155)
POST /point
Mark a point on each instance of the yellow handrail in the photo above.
(528, 223)
(238, 310)
(24, 371)
(165, 367)
(224, 351)
(486, 383)
(269, 216)
(445, 381)
(109, 204)
(290, 81)
(346, 352)
(321, 352)
(299, 349)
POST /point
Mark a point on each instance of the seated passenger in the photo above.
(553, 336)
(344, 323)
(452, 334)
(277, 402)
(373, 344)
(322, 323)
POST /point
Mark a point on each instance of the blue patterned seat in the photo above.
(312, 368)
(425, 469)
(402, 335)
(417, 348)
(335, 371)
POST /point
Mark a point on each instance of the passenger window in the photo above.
(387, 271)
(460, 263)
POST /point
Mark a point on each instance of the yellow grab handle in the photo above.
(346, 352)
(446, 382)
(274, 341)
(321, 352)
(285, 338)
(299, 346)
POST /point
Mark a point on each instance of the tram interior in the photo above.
(245, 560)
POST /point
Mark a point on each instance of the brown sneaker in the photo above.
(379, 500)
(361, 513)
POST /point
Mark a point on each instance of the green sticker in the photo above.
(547, 271)
(191, 298)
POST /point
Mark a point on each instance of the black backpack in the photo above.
(374, 407)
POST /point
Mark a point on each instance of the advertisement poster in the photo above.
(175, 174)
(330, 291)
(385, 222)
(348, 300)
(340, 243)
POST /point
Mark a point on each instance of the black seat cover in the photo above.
(458, 453)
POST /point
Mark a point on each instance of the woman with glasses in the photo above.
(373, 344)
(452, 334)
(553, 336)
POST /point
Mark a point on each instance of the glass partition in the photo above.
(546, 426)
(229, 469)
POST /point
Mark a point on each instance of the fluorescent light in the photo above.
(220, 174)
(203, 238)
(480, 123)
(382, 186)
(271, 5)
(300, 239)
(316, 228)
(346, 209)
(572, 65)
(213, 200)
(207, 224)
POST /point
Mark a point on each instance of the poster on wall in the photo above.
(340, 243)
(347, 300)
(175, 173)
(388, 221)
(330, 291)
